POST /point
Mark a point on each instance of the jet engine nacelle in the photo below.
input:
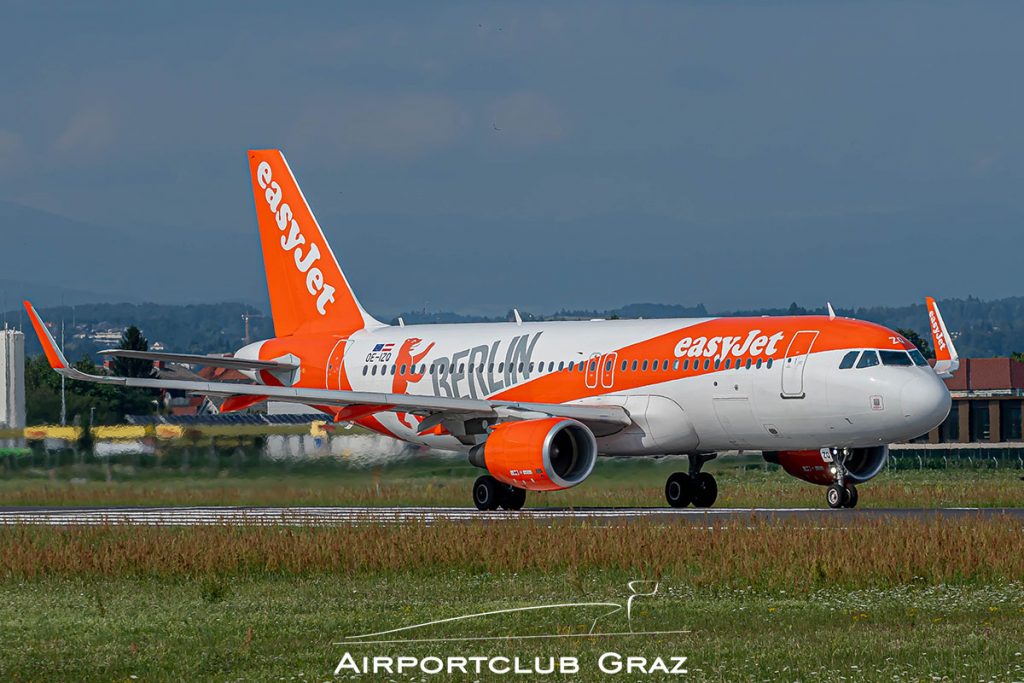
(549, 454)
(816, 466)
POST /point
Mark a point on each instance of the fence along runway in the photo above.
(334, 516)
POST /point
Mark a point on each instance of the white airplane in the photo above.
(535, 404)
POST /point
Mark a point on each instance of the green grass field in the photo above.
(447, 481)
(879, 600)
(890, 601)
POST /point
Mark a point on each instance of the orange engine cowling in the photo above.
(861, 464)
(538, 455)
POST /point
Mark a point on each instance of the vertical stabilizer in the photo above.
(947, 361)
(308, 291)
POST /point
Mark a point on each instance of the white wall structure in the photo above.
(12, 379)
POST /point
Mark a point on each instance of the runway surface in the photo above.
(333, 516)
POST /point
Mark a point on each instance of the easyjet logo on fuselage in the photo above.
(292, 240)
(754, 344)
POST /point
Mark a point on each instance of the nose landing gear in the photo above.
(699, 488)
(839, 496)
(843, 493)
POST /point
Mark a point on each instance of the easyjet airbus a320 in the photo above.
(535, 404)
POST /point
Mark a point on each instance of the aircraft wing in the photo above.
(605, 419)
(947, 361)
(197, 359)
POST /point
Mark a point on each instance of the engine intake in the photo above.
(549, 454)
(861, 464)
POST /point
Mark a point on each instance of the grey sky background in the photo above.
(479, 156)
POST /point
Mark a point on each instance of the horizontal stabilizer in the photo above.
(197, 359)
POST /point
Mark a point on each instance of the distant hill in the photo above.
(980, 328)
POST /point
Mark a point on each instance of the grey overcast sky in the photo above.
(479, 156)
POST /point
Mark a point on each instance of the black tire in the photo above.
(851, 496)
(487, 493)
(705, 490)
(836, 496)
(513, 499)
(679, 489)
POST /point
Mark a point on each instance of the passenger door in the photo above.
(794, 362)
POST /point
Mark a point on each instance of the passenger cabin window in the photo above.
(561, 365)
(644, 366)
(675, 364)
(848, 360)
(868, 359)
(633, 366)
(895, 358)
(918, 358)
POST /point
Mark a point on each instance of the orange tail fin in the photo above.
(308, 291)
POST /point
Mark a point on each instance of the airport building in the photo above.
(12, 379)
(988, 394)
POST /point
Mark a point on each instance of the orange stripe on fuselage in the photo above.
(838, 334)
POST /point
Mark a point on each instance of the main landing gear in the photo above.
(696, 487)
(490, 494)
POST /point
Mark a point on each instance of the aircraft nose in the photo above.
(925, 402)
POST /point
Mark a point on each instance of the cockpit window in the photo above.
(848, 360)
(895, 358)
(868, 359)
(918, 358)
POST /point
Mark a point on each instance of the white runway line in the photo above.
(333, 516)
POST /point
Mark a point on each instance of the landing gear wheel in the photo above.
(837, 496)
(851, 496)
(487, 493)
(513, 498)
(705, 490)
(679, 489)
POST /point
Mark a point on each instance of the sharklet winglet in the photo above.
(53, 353)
